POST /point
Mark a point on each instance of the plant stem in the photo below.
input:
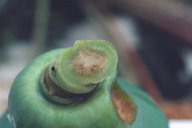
(40, 25)
(79, 70)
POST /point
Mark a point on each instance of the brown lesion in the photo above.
(88, 62)
(124, 105)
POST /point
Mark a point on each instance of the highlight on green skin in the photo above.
(88, 62)
(79, 70)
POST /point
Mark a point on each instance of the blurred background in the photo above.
(153, 38)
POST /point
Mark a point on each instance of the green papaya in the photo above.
(77, 87)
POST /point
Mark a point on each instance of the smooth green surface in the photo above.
(4, 121)
(148, 114)
(29, 108)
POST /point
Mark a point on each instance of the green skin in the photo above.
(28, 107)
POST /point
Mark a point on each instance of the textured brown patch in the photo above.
(88, 62)
(123, 104)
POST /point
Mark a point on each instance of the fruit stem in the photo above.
(57, 94)
(79, 71)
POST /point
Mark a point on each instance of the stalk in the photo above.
(78, 71)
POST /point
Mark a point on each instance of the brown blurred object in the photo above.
(173, 16)
(180, 110)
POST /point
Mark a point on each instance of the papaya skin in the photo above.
(29, 107)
